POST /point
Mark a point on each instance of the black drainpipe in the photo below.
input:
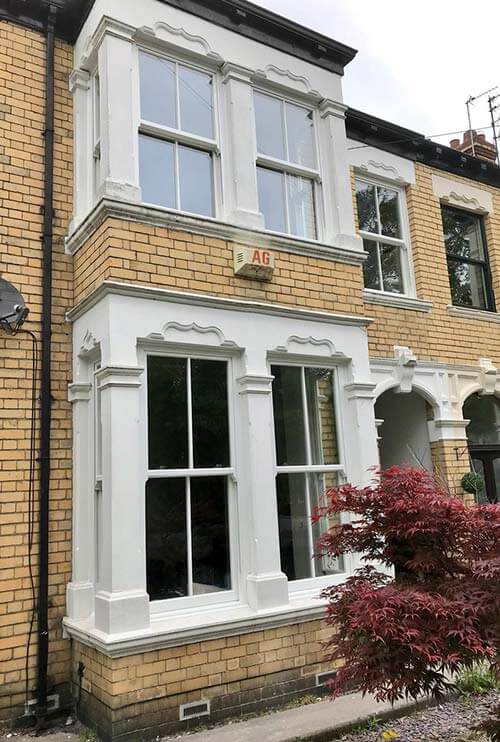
(45, 384)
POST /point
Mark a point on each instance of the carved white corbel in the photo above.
(487, 376)
(405, 369)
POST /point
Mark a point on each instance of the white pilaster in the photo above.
(339, 214)
(80, 591)
(444, 430)
(79, 85)
(361, 431)
(239, 172)
(267, 586)
(122, 603)
(118, 119)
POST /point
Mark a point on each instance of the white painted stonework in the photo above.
(119, 326)
(380, 164)
(462, 194)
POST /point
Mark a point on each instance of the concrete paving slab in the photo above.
(315, 722)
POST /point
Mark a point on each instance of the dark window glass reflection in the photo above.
(167, 413)
(296, 561)
(166, 540)
(289, 416)
(370, 266)
(210, 535)
(210, 413)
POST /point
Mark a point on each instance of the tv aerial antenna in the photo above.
(13, 310)
(469, 102)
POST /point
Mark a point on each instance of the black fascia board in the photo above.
(271, 29)
(375, 132)
(239, 16)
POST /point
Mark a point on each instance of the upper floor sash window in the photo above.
(287, 166)
(176, 136)
(468, 268)
(381, 226)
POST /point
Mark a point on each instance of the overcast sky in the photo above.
(417, 63)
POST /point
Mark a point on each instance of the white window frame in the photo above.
(96, 133)
(187, 603)
(179, 137)
(313, 582)
(289, 168)
(407, 273)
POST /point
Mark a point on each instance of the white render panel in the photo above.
(376, 162)
(229, 46)
(462, 194)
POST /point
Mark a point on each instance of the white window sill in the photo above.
(469, 313)
(167, 630)
(398, 301)
(206, 226)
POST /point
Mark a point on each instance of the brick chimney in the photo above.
(482, 148)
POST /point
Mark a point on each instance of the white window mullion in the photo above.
(189, 538)
(189, 415)
(379, 264)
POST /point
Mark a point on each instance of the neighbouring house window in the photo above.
(176, 136)
(308, 463)
(187, 492)
(287, 166)
(380, 225)
(468, 267)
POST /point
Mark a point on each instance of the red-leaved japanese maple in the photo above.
(405, 635)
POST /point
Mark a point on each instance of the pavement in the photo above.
(316, 722)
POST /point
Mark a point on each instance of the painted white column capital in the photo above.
(329, 107)
(119, 376)
(444, 430)
(255, 384)
(232, 71)
(79, 80)
(79, 392)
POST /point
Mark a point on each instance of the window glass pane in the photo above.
(370, 266)
(467, 284)
(301, 207)
(271, 187)
(389, 212)
(210, 413)
(157, 172)
(167, 413)
(294, 526)
(321, 416)
(210, 535)
(367, 208)
(392, 273)
(269, 124)
(462, 234)
(484, 416)
(318, 485)
(300, 133)
(196, 181)
(196, 102)
(158, 90)
(289, 416)
(166, 542)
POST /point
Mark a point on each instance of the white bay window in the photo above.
(176, 136)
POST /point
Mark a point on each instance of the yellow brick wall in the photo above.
(157, 256)
(437, 336)
(22, 65)
(230, 672)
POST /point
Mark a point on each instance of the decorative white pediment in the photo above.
(193, 334)
(318, 347)
(460, 194)
(405, 369)
(281, 78)
(487, 376)
(89, 345)
(179, 40)
(375, 162)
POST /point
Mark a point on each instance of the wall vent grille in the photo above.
(194, 710)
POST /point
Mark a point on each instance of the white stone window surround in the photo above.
(114, 44)
(408, 274)
(215, 354)
(228, 329)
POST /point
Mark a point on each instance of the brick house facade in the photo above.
(198, 413)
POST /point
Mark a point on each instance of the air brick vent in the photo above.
(194, 710)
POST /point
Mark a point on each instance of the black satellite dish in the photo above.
(13, 310)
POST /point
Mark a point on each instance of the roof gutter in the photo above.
(45, 382)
